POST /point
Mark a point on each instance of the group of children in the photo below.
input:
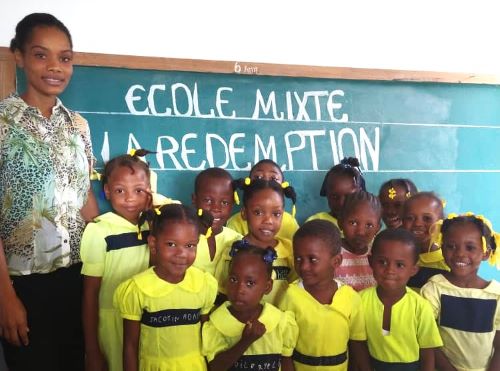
(186, 287)
(180, 287)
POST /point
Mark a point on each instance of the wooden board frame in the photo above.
(8, 72)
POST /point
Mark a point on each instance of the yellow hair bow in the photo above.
(132, 152)
(436, 235)
(200, 212)
(248, 181)
(391, 193)
(94, 175)
(236, 198)
(285, 185)
(294, 210)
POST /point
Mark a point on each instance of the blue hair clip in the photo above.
(270, 255)
(237, 246)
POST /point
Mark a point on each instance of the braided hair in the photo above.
(349, 167)
(172, 213)
(132, 161)
(243, 247)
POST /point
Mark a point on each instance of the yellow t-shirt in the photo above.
(430, 263)
(110, 249)
(288, 228)
(412, 327)
(223, 241)
(223, 331)
(170, 317)
(283, 271)
(324, 216)
(468, 321)
(324, 329)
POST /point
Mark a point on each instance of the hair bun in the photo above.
(351, 161)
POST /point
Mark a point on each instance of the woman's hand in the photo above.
(13, 320)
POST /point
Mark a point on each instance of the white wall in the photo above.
(438, 35)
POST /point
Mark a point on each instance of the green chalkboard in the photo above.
(443, 136)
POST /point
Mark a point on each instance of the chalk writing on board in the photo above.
(303, 106)
(193, 151)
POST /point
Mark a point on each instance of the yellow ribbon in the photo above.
(94, 175)
(285, 185)
(132, 152)
(391, 193)
(236, 198)
(248, 181)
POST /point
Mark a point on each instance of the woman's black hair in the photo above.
(269, 162)
(354, 199)
(349, 167)
(482, 227)
(131, 161)
(243, 247)
(214, 173)
(24, 29)
(250, 187)
(172, 213)
(409, 187)
(399, 235)
(322, 229)
(430, 195)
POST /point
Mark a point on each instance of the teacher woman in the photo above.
(45, 199)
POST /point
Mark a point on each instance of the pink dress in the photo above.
(355, 271)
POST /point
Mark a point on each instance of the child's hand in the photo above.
(252, 331)
(95, 362)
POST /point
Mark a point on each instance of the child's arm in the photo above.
(287, 364)
(442, 363)
(495, 361)
(94, 359)
(427, 359)
(224, 360)
(359, 358)
(131, 334)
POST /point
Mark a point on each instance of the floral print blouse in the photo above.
(44, 182)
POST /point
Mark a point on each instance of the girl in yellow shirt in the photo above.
(263, 207)
(245, 333)
(268, 170)
(163, 307)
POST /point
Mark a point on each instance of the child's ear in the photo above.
(336, 260)
(340, 224)
(269, 286)
(107, 191)
(243, 213)
(152, 244)
(415, 269)
(486, 255)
